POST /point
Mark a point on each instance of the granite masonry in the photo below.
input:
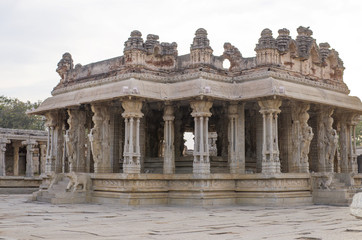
(274, 129)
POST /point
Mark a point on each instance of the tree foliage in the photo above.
(13, 114)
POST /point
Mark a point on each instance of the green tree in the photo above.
(13, 114)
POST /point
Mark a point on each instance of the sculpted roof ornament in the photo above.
(324, 50)
(200, 39)
(283, 40)
(304, 41)
(301, 57)
(135, 41)
(151, 42)
(266, 40)
(64, 65)
(234, 56)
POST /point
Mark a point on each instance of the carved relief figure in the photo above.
(306, 137)
(71, 138)
(331, 142)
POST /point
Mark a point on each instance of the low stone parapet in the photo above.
(19, 185)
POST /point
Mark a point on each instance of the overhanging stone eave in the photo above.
(317, 95)
(228, 91)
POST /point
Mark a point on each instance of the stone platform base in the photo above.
(19, 185)
(208, 190)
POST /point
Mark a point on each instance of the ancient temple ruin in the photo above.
(277, 128)
(22, 159)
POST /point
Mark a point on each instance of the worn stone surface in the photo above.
(29, 220)
(279, 113)
(356, 206)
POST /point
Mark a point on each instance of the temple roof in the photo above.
(150, 69)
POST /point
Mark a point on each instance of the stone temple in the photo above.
(274, 129)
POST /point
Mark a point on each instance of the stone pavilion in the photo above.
(274, 129)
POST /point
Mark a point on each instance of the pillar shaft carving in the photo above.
(201, 113)
(75, 140)
(51, 123)
(270, 150)
(30, 145)
(302, 137)
(16, 146)
(236, 136)
(169, 137)
(3, 142)
(42, 154)
(99, 137)
(348, 122)
(327, 141)
(132, 154)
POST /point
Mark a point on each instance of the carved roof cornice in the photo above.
(263, 73)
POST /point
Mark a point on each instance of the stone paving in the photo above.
(22, 219)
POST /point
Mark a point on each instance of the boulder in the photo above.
(356, 206)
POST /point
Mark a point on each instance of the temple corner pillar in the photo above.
(236, 137)
(169, 137)
(270, 149)
(201, 113)
(132, 151)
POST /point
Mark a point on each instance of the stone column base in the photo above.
(131, 168)
(201, 168)
(270, 167)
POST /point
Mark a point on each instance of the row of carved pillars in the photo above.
(30, 148)
(302, 134)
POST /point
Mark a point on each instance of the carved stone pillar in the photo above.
(201, 113)
(3, 142)
(42, 155)
(99, 137)
(51, 119)
(302, 135)
(30, 145)
(16, 146)
(132, 155)
(169, 137)
(327, 140)
(270, 150)
(75, 140)
(344, 142)
(236, 136)
(353, 121)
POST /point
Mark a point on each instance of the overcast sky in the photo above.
(35, 33)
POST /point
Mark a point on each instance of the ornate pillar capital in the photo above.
(51, 119)
(201, 108)
(270, 106)
(132, 108)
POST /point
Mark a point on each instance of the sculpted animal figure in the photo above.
(54, 179)
(78, 182)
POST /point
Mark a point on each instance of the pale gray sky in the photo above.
(35, 33)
